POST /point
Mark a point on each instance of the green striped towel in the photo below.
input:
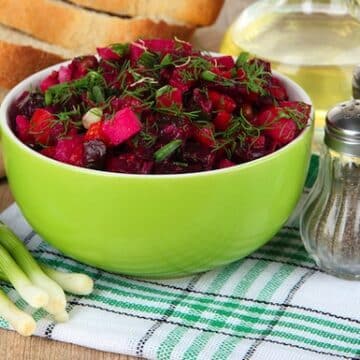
(274, 305)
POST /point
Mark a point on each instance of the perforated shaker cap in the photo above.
(342, 130)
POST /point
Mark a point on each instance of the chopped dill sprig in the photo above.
(61, 93)
(174, 110)
(148, 139)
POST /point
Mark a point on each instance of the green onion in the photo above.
(23, 323)
(148, 59)
(33, 295)
(166, 60)
(48, 98)
(91, 116)
(163, 90)
(166, 150)
(98, 94)
(74, 283)
(17, 249)
(61, 317)
(208, 75)
(120, 49)
(242, 59)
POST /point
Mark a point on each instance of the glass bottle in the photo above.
(356, 83)
(315, 42)
(330, 221)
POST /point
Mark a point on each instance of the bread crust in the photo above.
(78, 29)
(18, 62)
(195, 12)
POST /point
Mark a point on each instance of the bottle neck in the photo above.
(356, 83)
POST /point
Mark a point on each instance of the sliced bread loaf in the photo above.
(21, 55)
(195, 12)
(70, 26)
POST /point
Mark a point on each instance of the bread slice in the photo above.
(195, 12)
(3, 93)
(21, 56)
(70, 26)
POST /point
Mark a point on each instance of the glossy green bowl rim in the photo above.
(37, 77)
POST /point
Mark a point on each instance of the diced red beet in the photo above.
(70, 151)
(128, 163)
(44, 129)
(81, 65)
(196, 154)
(300, 106)
(49, 151)
(136, 50)
(65, 74)
(109, 73)
(202, 100)
(241, 74)
(222, 120)
(124, 125)
(57, 131)
(22, 124)
(40, 126)
(251, 96)
(205, 136)
(256, 142)
(127, 101)
(179, 81)
(160, 45)
(285, 111)
(278, 91)
(171, 97)
(226, 62)
(50, 80)
(282, 131)
(228, 74)
(267, 116)
(95, 132)
(107, 53)
(147, 167)
(224, 163)
(247, 110)
(222, 101)
(177, 131)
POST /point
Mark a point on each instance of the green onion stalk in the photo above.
(56, 297)
(22, 322)
(32, 294)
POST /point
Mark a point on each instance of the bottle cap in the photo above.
(356, 82)
(342, 130)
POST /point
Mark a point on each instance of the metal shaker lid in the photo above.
(342, 130)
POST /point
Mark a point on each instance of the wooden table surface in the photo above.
(13, 346)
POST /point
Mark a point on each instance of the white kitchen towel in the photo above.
(275, 304)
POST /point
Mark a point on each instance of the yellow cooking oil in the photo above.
(317, 50)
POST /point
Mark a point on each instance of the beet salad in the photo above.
(158, 107)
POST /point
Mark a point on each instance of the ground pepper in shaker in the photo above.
(330, 221)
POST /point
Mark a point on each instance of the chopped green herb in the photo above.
(166, 150)
(208, 75)
(148, 59)
(98, 94)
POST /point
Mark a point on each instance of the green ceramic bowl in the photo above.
(155, 225)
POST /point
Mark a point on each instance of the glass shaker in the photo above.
(314, 42)
(330, 222)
